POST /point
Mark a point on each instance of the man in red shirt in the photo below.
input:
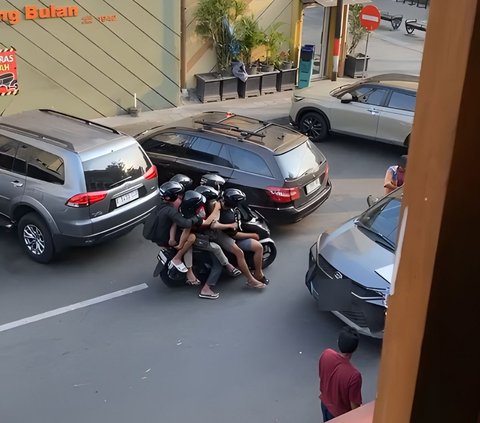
(340, 381)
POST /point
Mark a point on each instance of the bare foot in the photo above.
(253, 283)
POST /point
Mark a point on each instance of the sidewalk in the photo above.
(390, 52)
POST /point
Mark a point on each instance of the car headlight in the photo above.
(296, 98)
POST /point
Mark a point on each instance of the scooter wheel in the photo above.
(269, 254)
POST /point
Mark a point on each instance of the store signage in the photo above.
(8, 72)
(31, 12)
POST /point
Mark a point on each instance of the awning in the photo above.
(333, 3)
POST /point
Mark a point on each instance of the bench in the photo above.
(395, 20)
(412, 24)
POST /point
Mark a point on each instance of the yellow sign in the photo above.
(12, 17)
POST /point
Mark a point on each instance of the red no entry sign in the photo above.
(370, 17)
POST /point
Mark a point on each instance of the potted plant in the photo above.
(215, 21)
(354, 62)
(249, 37)
(285, 61)
(272, 40)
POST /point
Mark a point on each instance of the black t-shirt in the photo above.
(227, 216)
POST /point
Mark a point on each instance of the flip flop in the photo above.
(193, 283)
(235, 272)
(265, 280)
(213, 296)
(180, 267)
(262, 286)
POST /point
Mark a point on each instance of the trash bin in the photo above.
(305, 67)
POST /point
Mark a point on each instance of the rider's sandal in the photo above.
(255, 286)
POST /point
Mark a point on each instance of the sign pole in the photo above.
(365, 57)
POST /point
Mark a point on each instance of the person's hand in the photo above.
(233, 225)
(172, 242)
(255, 237)
(217, 206)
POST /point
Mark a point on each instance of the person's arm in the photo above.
(355, 391)
(181, 221)
(223, 226)
(214, 215)
(247, 235)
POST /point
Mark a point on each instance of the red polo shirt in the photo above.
(340, 382)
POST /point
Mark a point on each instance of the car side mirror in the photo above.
(346, 98)
(371, 200)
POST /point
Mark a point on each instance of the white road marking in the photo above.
(72, 307)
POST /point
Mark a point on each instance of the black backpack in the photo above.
(150, 225)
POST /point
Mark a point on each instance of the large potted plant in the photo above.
(249, 37)
(354, 62)
(273, 40)
(215, 20)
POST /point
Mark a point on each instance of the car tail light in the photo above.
(283, 195)
(86, 199)
(151, 173)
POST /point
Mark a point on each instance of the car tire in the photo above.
(35, 238)
(314, 125)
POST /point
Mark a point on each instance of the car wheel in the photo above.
(314, 125)
(36, 238)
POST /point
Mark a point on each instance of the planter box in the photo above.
(208, 87)
(251, 87)
(287, 79)
(269, 82)
(354, 65)
(229, 87)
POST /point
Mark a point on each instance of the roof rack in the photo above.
(51, 140)
(88, 122)
(244, 134)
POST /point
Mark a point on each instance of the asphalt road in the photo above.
(161, 354)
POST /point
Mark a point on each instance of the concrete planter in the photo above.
(287, 79)
(354, 65)
(269, 82)
(251, 87)
(208, 87)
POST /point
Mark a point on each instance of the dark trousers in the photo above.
(215, 271)
(326, 414)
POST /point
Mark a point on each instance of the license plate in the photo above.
(312, 186)
(126, 198)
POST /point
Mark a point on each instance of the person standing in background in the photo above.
(340, 381)
(395, 175)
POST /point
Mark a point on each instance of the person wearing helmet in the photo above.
(183, 180)
(157, 226)
(244, 241)
(212, 180)
(227, 226)
(204, 241)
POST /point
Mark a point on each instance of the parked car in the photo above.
(68, 181)
(283, 174)
(350, 267)
(380, 108)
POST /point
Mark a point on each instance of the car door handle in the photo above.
(17, 184)
(373, 111)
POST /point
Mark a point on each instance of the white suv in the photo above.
(379, 108)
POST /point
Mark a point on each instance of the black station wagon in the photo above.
(283, 174)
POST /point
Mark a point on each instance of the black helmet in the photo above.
(208, 192)
(233, 196)
(212, 180)
(191, 201)
(183, 180)
(170, 190)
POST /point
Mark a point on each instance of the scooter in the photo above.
(248, 220)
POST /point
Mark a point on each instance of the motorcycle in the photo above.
(248, 220)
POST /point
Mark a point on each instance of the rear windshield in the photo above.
(105, 172)
(299, 161)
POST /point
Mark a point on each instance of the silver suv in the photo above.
(68, 181)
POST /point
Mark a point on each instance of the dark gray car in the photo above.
(67, 181)
(350, 267)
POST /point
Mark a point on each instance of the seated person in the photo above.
(227, 242)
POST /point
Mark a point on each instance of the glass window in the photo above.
(42, 165)
(249, 162)
(369, 95)
(208, 151)
(8, 149)
(402, 101)
(300, 160)
(383, 218)
(168, 143)
(107, 171)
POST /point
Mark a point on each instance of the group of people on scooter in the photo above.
(204, 218)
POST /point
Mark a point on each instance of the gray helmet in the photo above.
(212, 180)
(208, 192)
